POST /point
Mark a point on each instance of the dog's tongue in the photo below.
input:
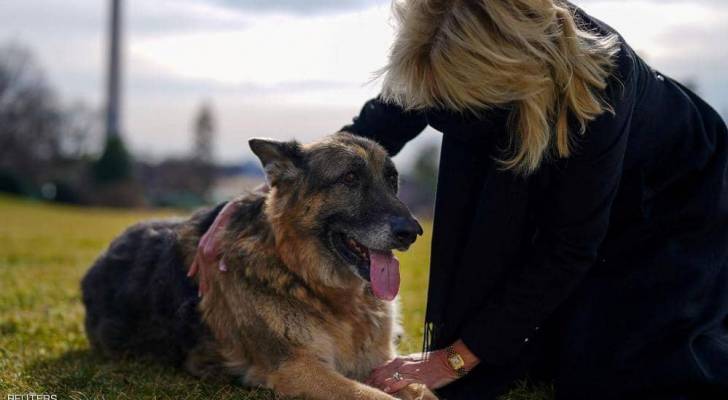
(384, 274)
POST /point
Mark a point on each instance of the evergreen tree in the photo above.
(204, 132)
(115, 164)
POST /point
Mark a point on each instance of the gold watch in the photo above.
(456, 361)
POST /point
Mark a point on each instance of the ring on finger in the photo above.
(397, 376)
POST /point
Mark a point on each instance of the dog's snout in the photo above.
(405, 230)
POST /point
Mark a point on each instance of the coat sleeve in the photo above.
(572, 224)
(387, 124)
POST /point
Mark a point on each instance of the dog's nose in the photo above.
(405, 230)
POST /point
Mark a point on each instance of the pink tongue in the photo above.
(384, 274)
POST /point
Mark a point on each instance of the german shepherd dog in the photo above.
(304, 307)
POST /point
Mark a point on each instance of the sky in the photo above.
(291, 68)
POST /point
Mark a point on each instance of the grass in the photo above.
(45, 250)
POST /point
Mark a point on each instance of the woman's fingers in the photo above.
(397, 362)
(400, 372)
(392, 385)
(388, 365)
(384, 371)
(377, 376)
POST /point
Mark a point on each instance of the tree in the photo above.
(115, 163)
(202, 155)
(204, 132)
(424, 170)
(81, 131)
(29, 121)
(44, 144)
(29, 114)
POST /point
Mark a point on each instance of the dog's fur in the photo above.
(290, 313)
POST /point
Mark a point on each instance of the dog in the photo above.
(305, 307)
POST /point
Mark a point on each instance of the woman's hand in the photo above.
(208, 254)
(433, 371)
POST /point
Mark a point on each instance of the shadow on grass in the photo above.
(83, 374)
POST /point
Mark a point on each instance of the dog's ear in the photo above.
(282, 161)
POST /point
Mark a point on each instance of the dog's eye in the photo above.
(350, 179)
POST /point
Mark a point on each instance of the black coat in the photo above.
(619, 252)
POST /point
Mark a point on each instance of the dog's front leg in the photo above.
(310, 377)
(416, 391)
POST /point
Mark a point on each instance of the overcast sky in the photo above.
(291, 68)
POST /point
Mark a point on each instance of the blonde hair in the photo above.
(471, 55)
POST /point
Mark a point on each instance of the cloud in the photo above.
(158, 85)
(683, 39)
(699, 54)
(346, 47)
(299, 7)
(73, 19)
(168, 17)
(697, 48)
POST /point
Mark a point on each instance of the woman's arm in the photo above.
(433, 370)
(573, 222)
(387, 124)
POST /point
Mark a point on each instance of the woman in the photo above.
(581, 221)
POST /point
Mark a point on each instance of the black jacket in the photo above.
(642, 204)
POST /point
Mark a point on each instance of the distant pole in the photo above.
(113, 95)
(115, 164)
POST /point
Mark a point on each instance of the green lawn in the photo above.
(44, 252)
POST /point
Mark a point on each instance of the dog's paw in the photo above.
(416, 391)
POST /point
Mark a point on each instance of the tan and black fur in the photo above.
(294, 311)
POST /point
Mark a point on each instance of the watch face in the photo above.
(456, 362)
